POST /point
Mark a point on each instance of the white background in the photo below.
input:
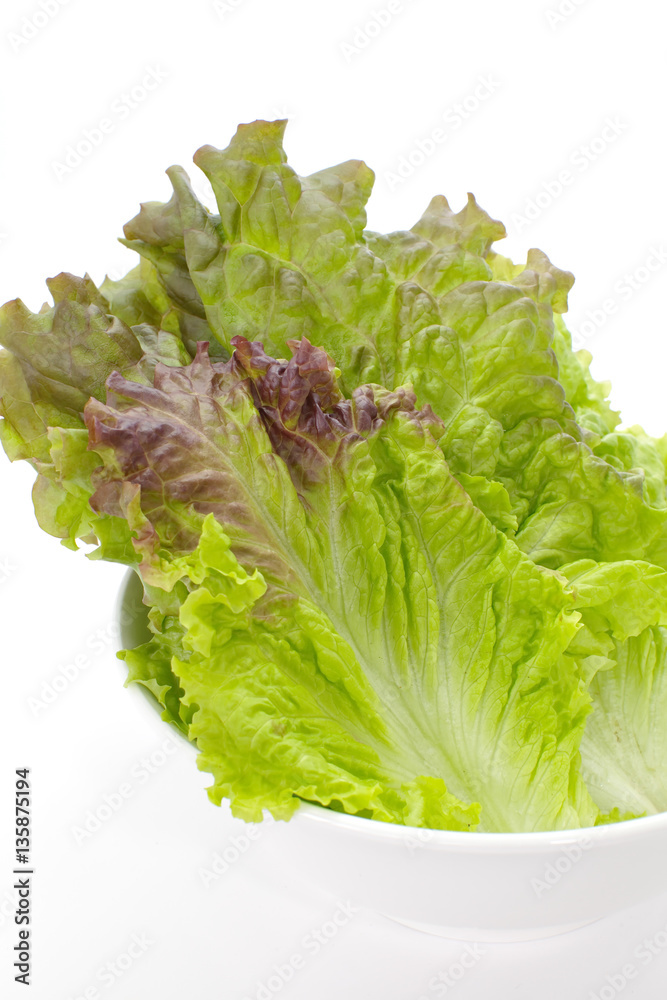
(555, 81)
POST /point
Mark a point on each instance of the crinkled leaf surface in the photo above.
(338, 613)
(357, 630)
(288, 256)
(54, 361)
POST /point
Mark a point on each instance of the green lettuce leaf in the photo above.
(434, 307)
(357, 630)
(54, 362)
(418, 611)
(624, 749)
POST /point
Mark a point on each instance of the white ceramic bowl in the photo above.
(469, 886)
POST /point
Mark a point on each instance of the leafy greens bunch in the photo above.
(399, 558)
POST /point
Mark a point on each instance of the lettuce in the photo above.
(392, 650)
(286, 257)
(417, 571)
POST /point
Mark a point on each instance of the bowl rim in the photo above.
(586, 837)
(427, 837)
